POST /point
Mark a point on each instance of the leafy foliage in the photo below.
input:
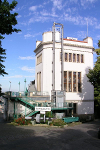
(2, 57)
(94, 76)
(49, 114)
(58, 122)
(7, 23)
(22, 121)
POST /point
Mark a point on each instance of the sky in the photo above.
(34, 18)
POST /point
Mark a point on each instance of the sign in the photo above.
(42, 108)
(42, 112)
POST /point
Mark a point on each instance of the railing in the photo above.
(60, 105)
(23, 94)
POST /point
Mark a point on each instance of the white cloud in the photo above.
(15, 76)
(33, 8)
(26, 58)
(79, 20)
(31, 35)
(28, 36)
(28, 69)
(81, 34)
(57, 4)
(85, 3)
(29, 76)
(19, 16)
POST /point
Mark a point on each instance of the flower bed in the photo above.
(22, 121)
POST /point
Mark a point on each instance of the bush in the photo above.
(49, 114)
(58, 122)
(22, 121)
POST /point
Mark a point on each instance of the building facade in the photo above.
(78, 59)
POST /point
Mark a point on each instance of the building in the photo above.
(78, 59)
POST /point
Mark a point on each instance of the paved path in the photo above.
(80, 137)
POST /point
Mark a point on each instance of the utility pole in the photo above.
(62, 58)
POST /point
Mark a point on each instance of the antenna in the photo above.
(87, 27)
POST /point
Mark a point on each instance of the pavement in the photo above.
(79, 137)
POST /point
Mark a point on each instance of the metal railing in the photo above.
(24, 94)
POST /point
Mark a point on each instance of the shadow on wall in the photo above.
(87, 94)
(87, 88)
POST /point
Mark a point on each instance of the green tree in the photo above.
(94, 76)
(7, 23)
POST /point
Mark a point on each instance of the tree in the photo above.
(7, 23)
(94, 77)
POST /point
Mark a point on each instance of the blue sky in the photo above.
(36, 17)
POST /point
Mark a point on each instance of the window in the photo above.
(78, 58)
(82, 61)
(39, 59)
(70, 81)
(66, 57)
(65, 80)
(39, 81)
(70, 57)
(79, 81)
(74, 81)
(74, 57)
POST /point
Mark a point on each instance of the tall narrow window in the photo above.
(39, 81)
(70, 81)
(78, 58)
(70, 57)
(74, 57)
(74, 81)
(65, 80)
(39, 59)
(82, 61)
(79, 81)
(66, 57)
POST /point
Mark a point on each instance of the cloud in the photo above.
(28, 36)
(31, 35)
(28, 69)
(26, 58)
(19, 16)
(29, 76)
(79, 20)
(15, 76)
(85, 3)
(81, 34)
(57, 4)
(33, 8)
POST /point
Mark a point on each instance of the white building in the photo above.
(78, 59)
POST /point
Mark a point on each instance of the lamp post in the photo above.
(25, 85)
(19, 86)
(10, 85)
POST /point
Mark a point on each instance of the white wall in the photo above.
(85, 108)
(47, 69)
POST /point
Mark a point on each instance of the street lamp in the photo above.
(19, 86)
(25, 85)
(10, 85)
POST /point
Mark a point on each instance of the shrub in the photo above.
(49, 114)
(58, 122)
(22, 121)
